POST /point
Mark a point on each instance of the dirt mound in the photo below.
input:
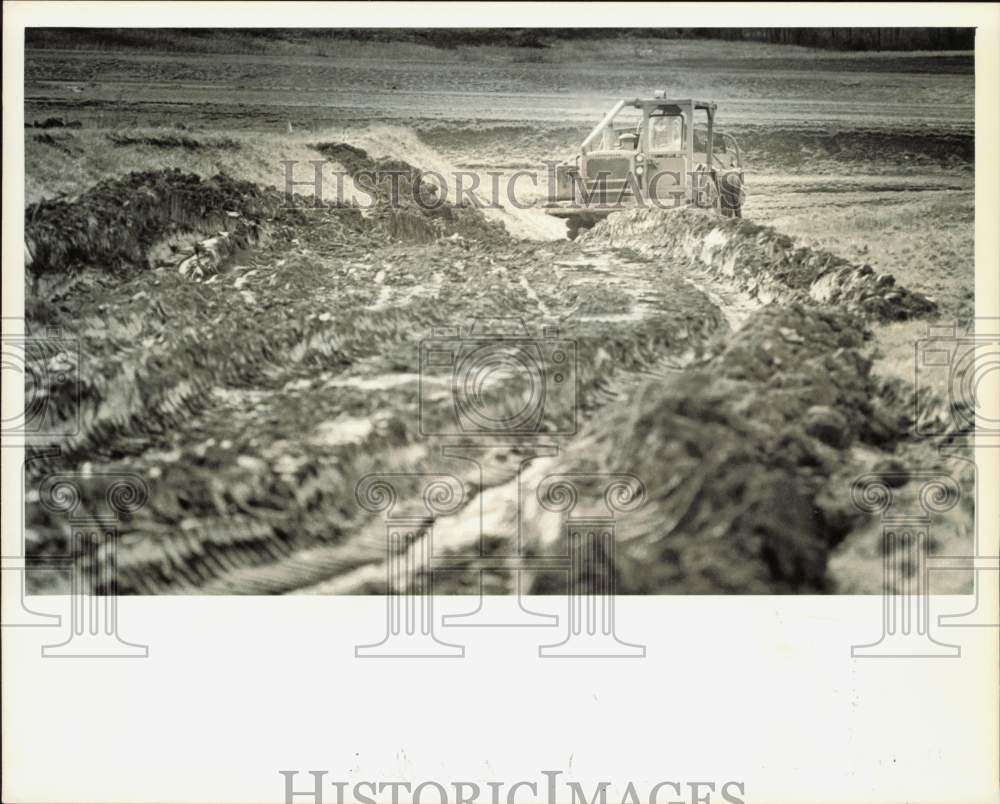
(760, 261)
(407, 205)
(115, 225)
(745, 459)
(253, 398)
(254, 401)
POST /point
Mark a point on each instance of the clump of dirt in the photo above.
(760, 261)
(356, 160)
(115, 225)
(55, 122)
(63, 143)
(744, 458)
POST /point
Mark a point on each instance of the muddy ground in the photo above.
(252, 362)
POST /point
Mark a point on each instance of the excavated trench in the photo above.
(252, 362)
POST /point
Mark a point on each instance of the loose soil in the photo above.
(251, 361)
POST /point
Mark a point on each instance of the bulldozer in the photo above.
(655, 152)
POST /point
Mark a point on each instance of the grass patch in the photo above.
(173, 141)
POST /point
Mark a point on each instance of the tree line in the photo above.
(858, 39)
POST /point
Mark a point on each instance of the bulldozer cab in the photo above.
(658, 150)
(650, 147)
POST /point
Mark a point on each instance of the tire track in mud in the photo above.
(354, 564)
(731, 455)
(769, 551)
(357, 567)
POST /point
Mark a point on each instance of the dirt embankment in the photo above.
(760, 261)
(117, 225)
(407, 205)
(746, 458)
(146, 359)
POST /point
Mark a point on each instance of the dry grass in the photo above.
(925, 242)
(95, 154)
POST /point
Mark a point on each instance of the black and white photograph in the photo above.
(290, 260)
(496, 328)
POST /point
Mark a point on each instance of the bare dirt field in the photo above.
(746, 370)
